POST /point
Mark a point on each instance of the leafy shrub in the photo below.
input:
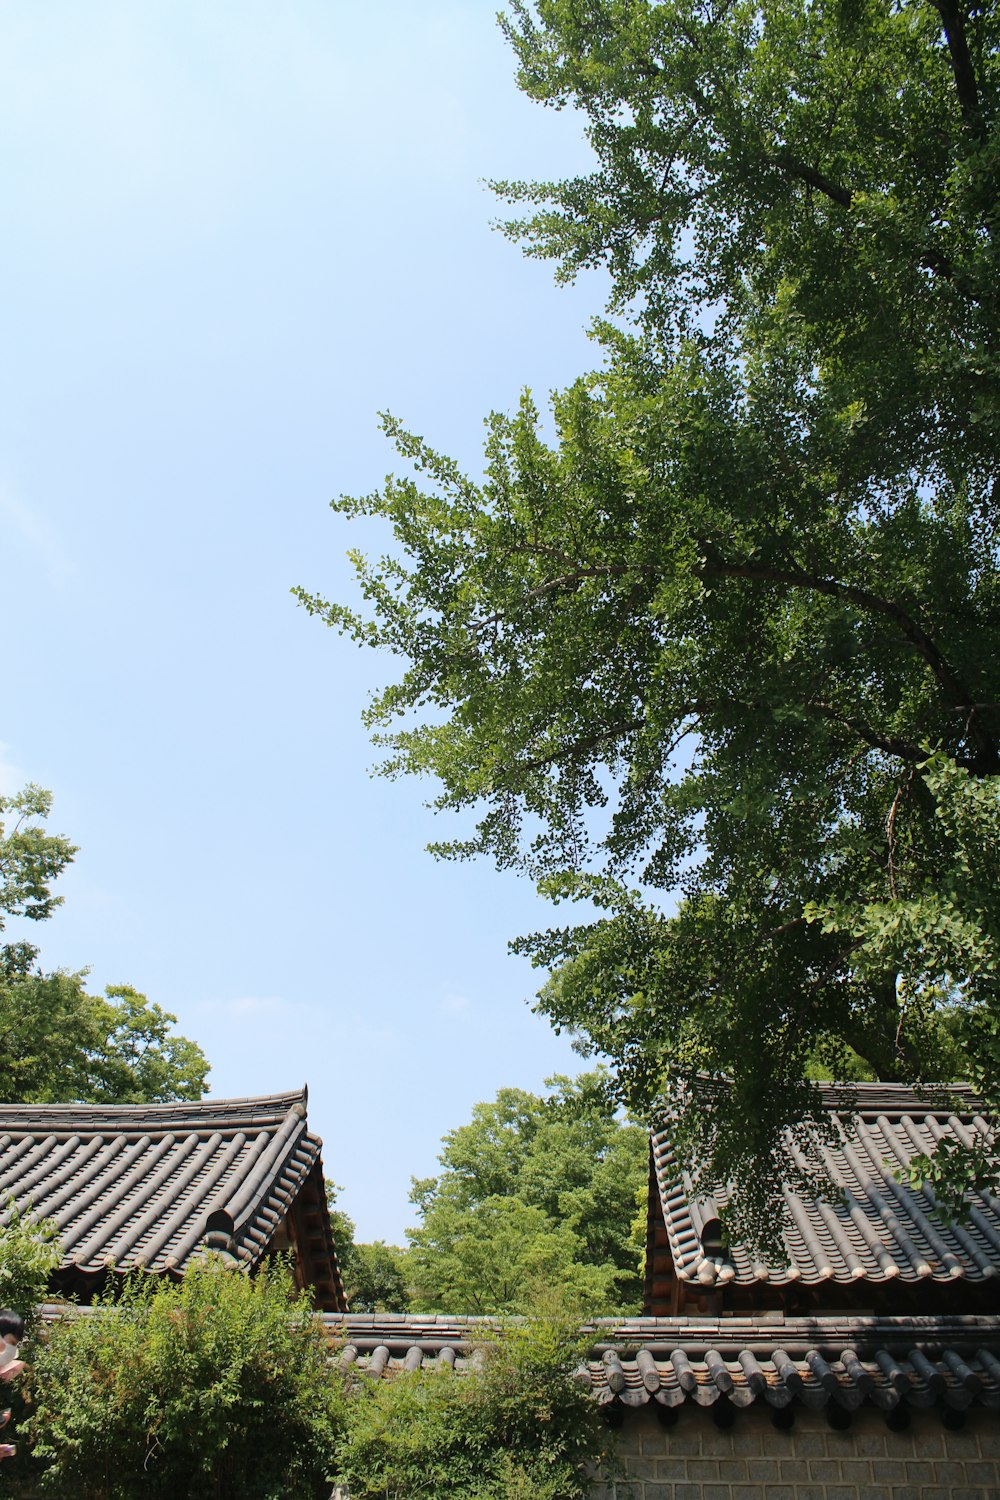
(521, 1428)
(29, 1254)
(217, 1387)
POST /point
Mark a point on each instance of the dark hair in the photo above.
(11, 1322)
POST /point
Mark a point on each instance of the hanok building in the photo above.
(877, 1244)
(862, 1365)
(153, 1186)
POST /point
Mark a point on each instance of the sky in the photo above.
(232, 234)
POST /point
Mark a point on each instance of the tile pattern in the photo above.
(894, 1365)
(150, 1185)
(874, 1227)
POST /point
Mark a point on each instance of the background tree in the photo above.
(60, 1044)
(719, 657)
(375, 1275)
(30, 859)
(378, 1278)
(537, 1193)
(57, 1042)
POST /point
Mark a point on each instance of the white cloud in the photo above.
(251, 1010)
(373, 1039)
(296, 1023)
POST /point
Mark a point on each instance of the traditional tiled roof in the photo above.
(843, 1363)
(150, 1185)
(873, 1227)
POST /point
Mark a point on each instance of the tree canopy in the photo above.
(30, 859)
(538, 1194)
(375, 1274)
(714, 650)
(59, 1043)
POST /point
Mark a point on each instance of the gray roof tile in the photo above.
(878, 1229)
(842, 1362)
(140, 1185)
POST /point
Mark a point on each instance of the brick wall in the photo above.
(753, 1460)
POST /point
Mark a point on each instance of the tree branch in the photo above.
(987, 760)
(570, 580)
(896, 745)
(966, 83)
(832, 190)
(582, 746)
(892, 744)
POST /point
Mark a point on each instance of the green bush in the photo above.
(29, 1253)
(221, 1388)
(218, 1387)
(521, 1428)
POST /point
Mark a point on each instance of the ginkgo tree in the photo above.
(718, 656)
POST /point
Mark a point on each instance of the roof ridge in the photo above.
(929, 1097)
(177, 1109)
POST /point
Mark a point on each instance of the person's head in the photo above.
(11, 1326)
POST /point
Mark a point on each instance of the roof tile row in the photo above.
(876, 1225)
(891, 1364)
(142, 1185)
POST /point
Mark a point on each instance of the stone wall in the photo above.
(753, 1460)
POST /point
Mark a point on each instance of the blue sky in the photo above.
(233, 232)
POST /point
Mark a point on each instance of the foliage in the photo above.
(29, 1253)
(61, 1043)
(377, 1278)
(30, 859)
(57, 1042)
(717, 659)
(376, 1275)
(497, 1256)
(520, 1427)
(819, 176)
(536, 1193)
(341, 1223)
(218, 1386)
